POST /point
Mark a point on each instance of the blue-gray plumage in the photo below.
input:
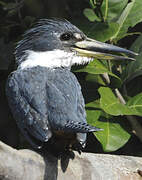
(44, 101)
(44, 95)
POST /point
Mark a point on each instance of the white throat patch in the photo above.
(52, 59)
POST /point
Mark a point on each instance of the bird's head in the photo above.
(57, 43)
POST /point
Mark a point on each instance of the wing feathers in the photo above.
(80, 127)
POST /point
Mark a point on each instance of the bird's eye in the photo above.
(66, 37)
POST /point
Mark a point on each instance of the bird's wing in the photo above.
(28, 106)
(66, 104)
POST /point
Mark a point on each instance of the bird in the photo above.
(44, 96)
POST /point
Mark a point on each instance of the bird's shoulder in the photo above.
(47, 91)
(41, 82)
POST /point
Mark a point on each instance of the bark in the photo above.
(30, 165)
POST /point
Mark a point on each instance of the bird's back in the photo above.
(46, 101)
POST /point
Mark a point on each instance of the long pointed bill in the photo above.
(99, 50)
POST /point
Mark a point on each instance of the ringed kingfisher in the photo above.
(44, 95)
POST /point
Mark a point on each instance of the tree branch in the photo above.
(136, 126)
(30, 165)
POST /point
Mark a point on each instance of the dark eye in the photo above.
(66, 37)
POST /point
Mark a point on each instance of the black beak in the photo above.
(99, 50)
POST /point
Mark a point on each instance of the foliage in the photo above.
(109, 110)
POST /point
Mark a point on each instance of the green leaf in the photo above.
(137, 45)
(95, 78)
(89, 13)
(111, 105)
(94, 104)
(136, 103)
(93, 116)
(8, 6)
(130, 34)
(133, 69)
(129, 18)
(92, 3)
(2, 3)
(98, 30)
(96, 67)
(28, 20)
(103, 31)
(113, 135)
(112, 9)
